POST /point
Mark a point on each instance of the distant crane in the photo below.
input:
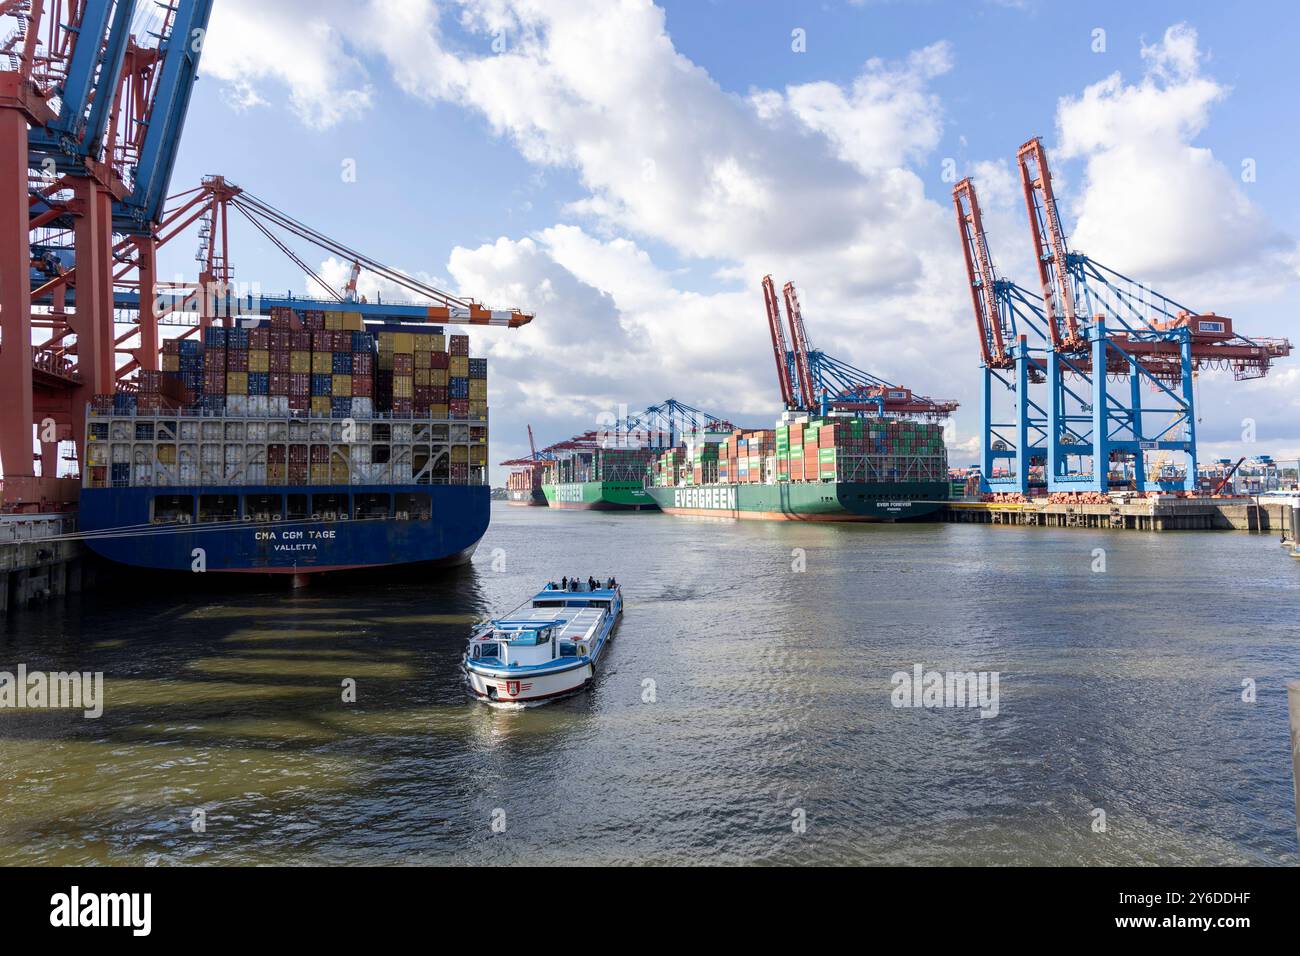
(812, 381)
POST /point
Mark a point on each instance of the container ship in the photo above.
(296, 444)
(835, 468)
(587, 475)
(524, 487)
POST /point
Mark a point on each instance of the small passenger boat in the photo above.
(545, 648)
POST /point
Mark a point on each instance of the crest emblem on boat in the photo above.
(512, 688)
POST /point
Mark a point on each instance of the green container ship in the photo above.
(595, 478)
(599, 495)
(841, 468)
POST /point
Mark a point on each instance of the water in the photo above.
(1119, 691)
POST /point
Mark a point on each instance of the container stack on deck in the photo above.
(267, 404)
(860, 449)
(744, 457)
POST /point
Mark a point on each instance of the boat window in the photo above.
(415, 505)
(568, 649)
(487, 650)
(297, 508)
(329, 507)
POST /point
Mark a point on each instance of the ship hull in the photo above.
(526, 499)
(599, 496)
(806, 501)
(117, 522)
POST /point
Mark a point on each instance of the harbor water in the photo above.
(745, 712)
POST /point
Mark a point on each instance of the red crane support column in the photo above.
(92, 318)
(146, 257)
(20, 485)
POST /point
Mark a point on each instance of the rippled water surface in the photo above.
(1119, 691)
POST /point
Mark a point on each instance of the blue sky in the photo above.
(498, 173)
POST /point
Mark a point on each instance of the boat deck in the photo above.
(579, 622)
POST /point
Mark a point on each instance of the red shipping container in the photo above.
(458, 407)
(279, 361)
(279, 383)
(458, 344)
(214, 357)
(403, 364)
(236, 360)
(363, 363)
(363, 386)
(403, 407)
(300, 340)
(259, 339)
(300, 383)
(439, 360)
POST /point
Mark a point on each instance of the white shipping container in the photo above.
(189, 431)
(257, 406)
(212, 431)
(256, 431)
(211, 454)
(234, 454)
(189, 473)
(121, 454)
(237, 404)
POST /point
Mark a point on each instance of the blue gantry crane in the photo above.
(1071, 364)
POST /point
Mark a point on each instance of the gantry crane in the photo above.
(812, 381)
(93, 100)
(1091, 327)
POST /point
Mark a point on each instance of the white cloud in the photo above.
(1154, 205)
(300, 48)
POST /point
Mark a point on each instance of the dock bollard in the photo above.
(1293, 706)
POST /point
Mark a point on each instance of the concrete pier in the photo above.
(1143, 514)
(34, 565)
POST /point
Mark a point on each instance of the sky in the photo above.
(629, 171)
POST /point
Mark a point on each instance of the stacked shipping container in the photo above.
(298, 368)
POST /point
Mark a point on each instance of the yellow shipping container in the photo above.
(478, 409)
(320, 474)
(259, 360)
(98, 453)
(403, 342)
(423, 359)
(403, 386)
(438, 376)
(422, 342)
(352, 322)
(320, 403)
(236, 383)
(459, 366)
(386, 361)
(171, 363)
(478, 390)
(438, 342)
(459, 453)
(438, 411)
(333, 321)
(422, 376)
(478, 455)
(342, 386)
(300, 361)
(167, 454)
(322, 363)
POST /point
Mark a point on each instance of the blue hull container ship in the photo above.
(293, 447)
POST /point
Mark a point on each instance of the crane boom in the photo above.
(779, 350)
(1050, 251)
(799, 339)
(979, 275)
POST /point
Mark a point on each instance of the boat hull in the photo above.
(806, 501)
(458, 519)
(531, 689)
(533, 498)
(599, 496)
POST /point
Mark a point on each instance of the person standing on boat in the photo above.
(564, 583)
